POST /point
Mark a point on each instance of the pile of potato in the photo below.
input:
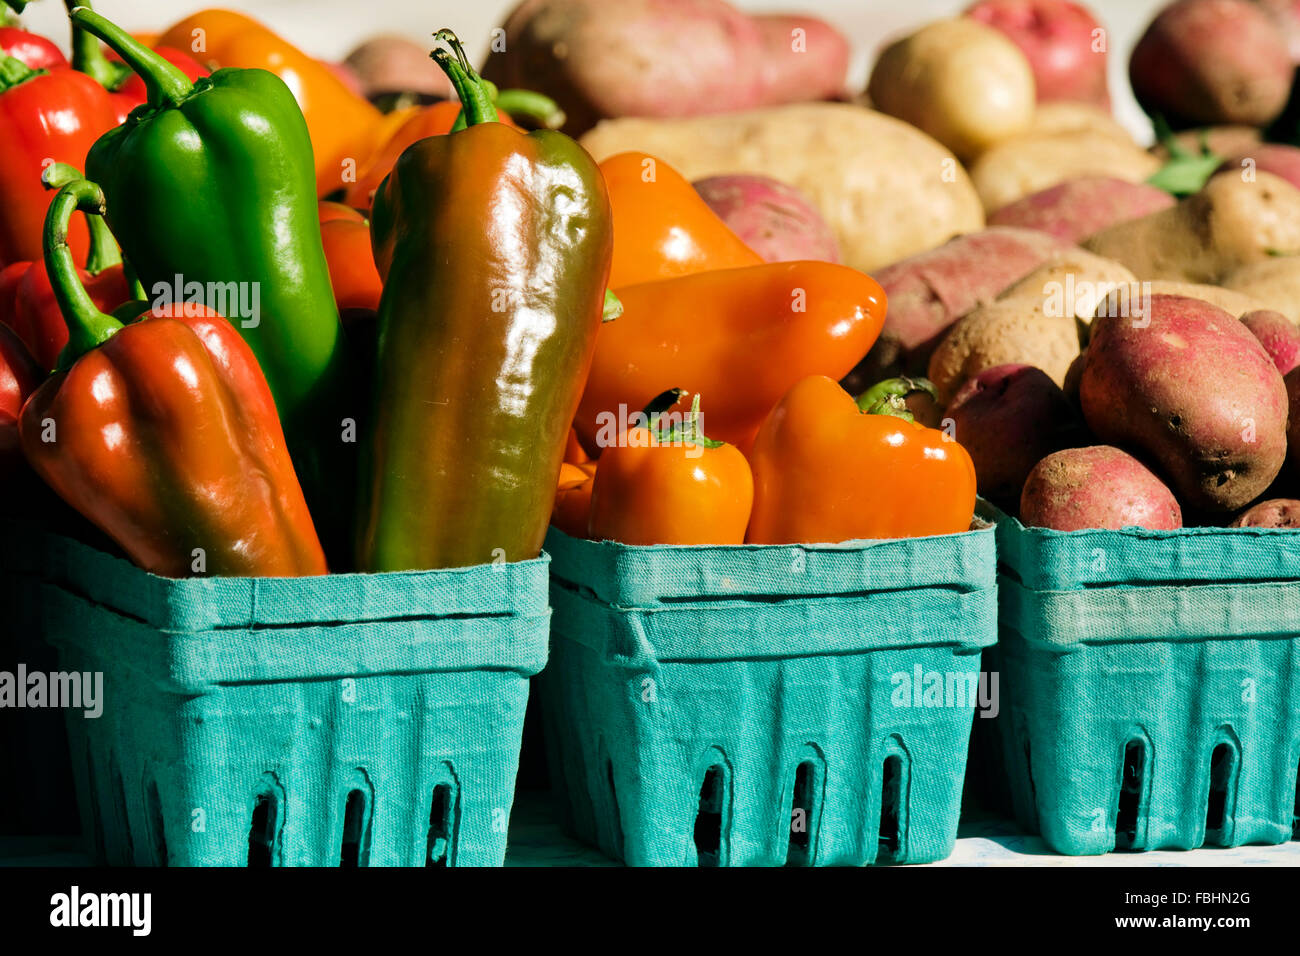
(1111, 328)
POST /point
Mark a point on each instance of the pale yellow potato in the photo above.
(962, 82)
(1206, 237)
(1016, 330)
(1016, 167)
(1274, 281)
(1072, 283)
(1234, 303)
(1063, 116)
(888, 190)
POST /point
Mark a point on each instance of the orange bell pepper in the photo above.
(340, 122)
(742, 336)
(662, 228)
(573, 499)
(827, 469)
(670, 484)
(351, 263)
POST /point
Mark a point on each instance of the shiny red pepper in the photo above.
(44, 117)
(27, 302)
(19, 377)
(33, 49)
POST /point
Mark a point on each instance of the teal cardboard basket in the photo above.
(1151, 685)
(354, 720)
(750, 706)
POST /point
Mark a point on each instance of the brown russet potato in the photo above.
(1008, 331)
(1207, 236)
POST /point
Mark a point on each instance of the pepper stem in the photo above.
(104, 250)
(473, 91)
(612, 309)
(540, 110)
(688, 431)
(889, 397)
(87, 326)
(167, 85)
(88, 57)
(14, 71)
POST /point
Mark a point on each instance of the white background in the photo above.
(330, 28)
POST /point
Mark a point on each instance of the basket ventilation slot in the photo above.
(802, 816)
(709, 821)
(1218, 811)
(1132, 786)
(442, 815)
(889, 843)
(355, 850)
(261, 834)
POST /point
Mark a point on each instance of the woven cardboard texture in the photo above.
(1143, 709)
(369, 720)
(746, 706)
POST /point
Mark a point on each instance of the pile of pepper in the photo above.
(227, 375)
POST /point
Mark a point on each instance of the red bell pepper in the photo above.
(44, 116)
(19, 376)
(27, 302)
(34, 50)
(164, 433)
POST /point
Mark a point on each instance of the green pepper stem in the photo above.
(475, 96)
(613, 308)
(87, 326)
(104, 250)
(889, 397)
(88, 57)
(688, 432)
(538, 109)
(166, 84)
(14, 71)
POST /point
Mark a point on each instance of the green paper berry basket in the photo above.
(1151, 685)
(744, 706)
(344, 720)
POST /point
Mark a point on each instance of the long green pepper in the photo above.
(213, 182)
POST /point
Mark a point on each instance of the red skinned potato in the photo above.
(1212, 62)
(1077, 208)
(1275, 513)
(1279, 336)
(1190, 387)
(930, 291)
(1059, 39)
(1009, 418)
(1097, 487)
(663, 58)
(396, 64)
(1276, 158)
(773, 218)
